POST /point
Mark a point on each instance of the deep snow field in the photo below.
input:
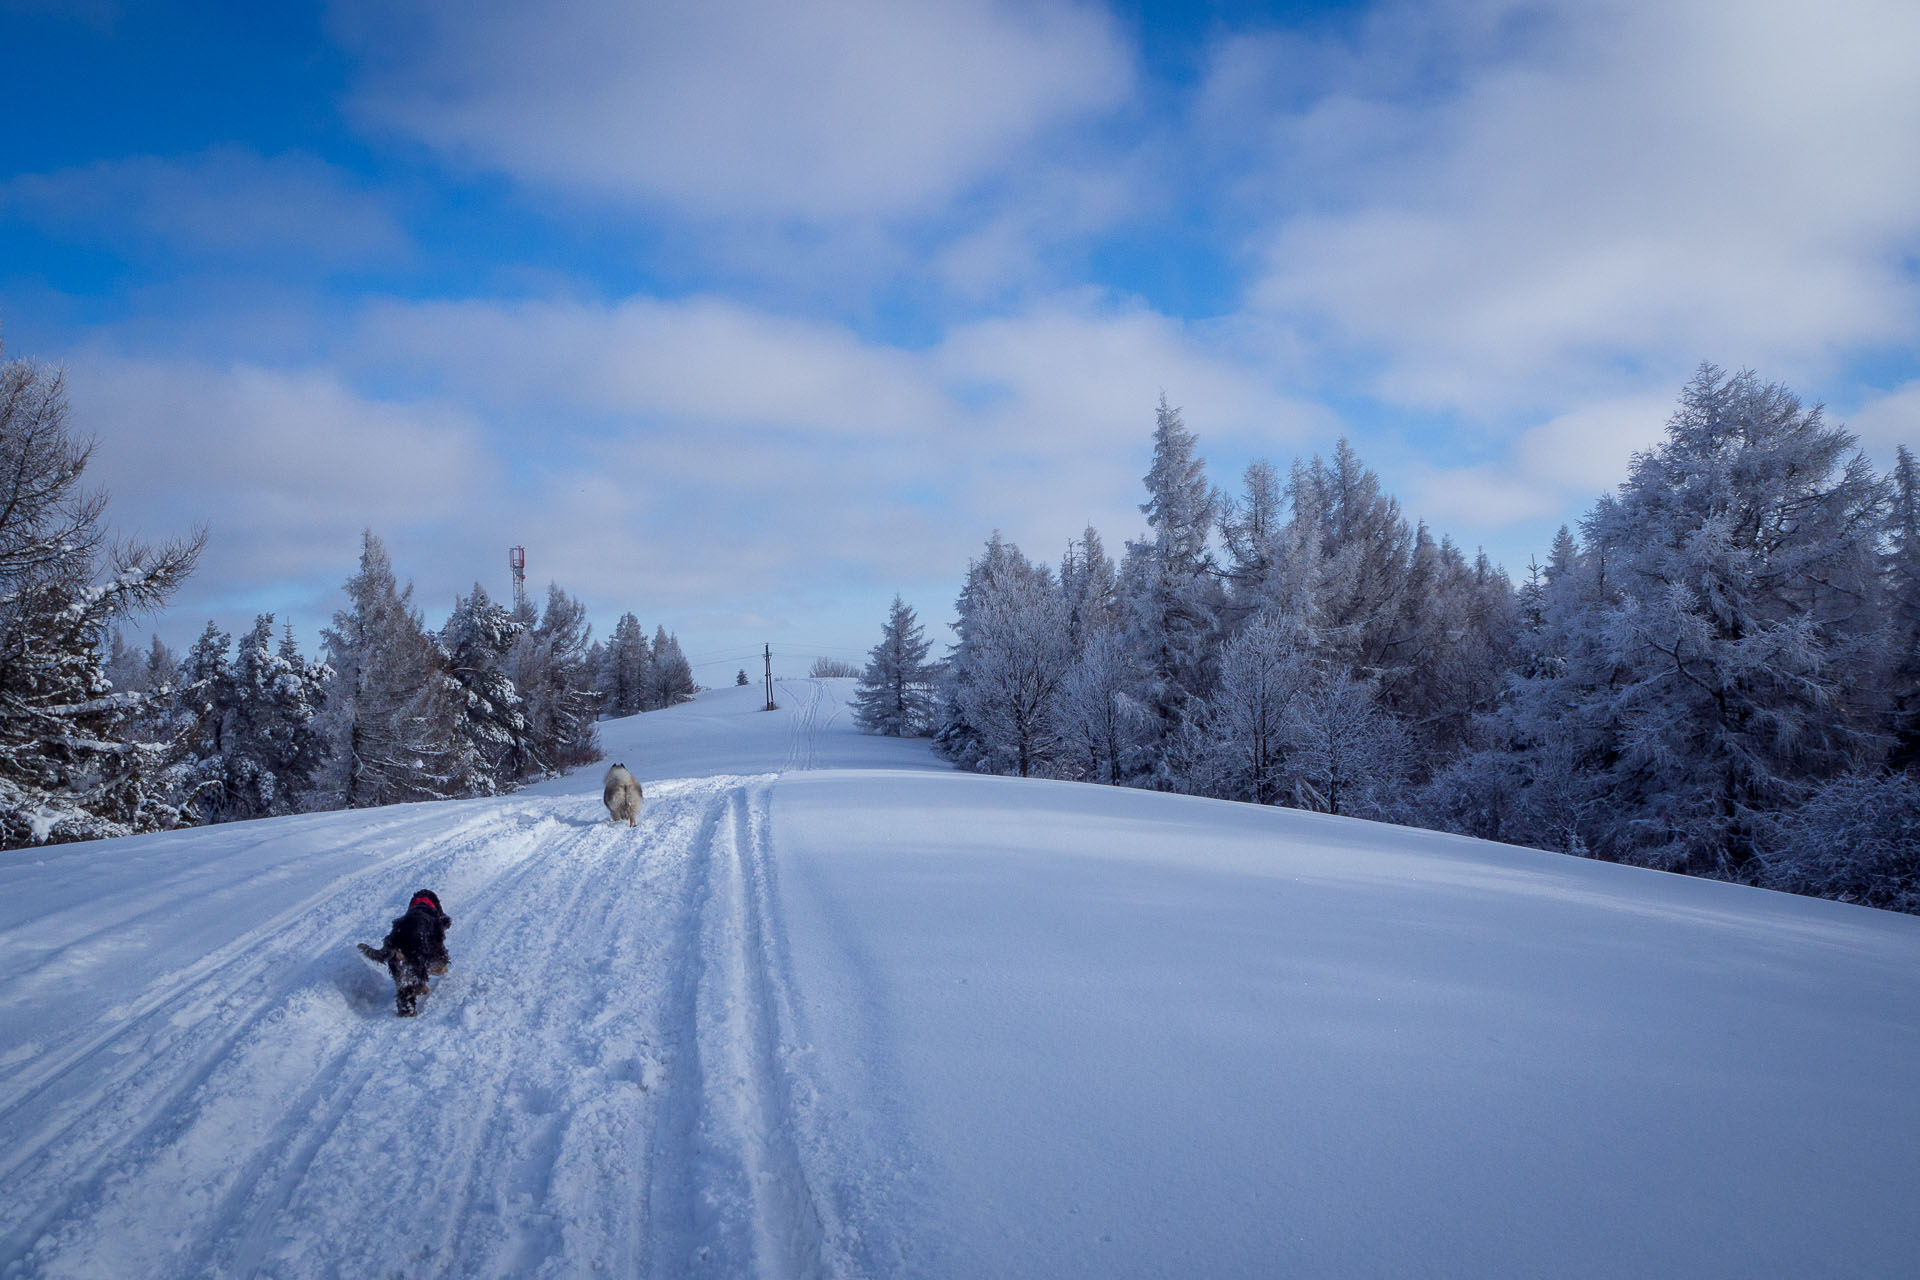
(833, 1009)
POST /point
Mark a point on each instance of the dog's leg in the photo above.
(377, 955)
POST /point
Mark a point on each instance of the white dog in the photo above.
(623, 795)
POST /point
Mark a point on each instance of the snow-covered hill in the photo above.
(833, 1009)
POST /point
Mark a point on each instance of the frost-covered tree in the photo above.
(1346, 753)
(206, 699)
(624, 669)
(70, 767)
(1449, 653)
(1101, 725)
(1000, 567)
(1171, 596)
(391, 708)
(1353, 584)
(1743, 548)
(1017, 657)
(1250, 721)
(895, 694)
(1254, 529)
(741, 678)
(1901, 678)
(670, 675)
(1856, 838)
(1089, 586)
(549, 668)
(491, 731)
(270, 746)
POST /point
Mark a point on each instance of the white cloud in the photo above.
(1567, 461)
(1887, 421)
(755, 108)
(1555, 200)
(227, 202)
(284, 468)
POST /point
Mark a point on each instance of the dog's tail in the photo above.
(376, 954)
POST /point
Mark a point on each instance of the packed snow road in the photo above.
(613, 1021)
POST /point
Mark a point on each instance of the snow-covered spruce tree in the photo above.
(670, 675)
(205, 699)
(1170, 593)
(69, 769)
(1743, 551)
(491, 727)
(391, 708)
(256, 727)
(624, 669)
(895, 694)
(1017, 658)
(741, 678)
(549, 668)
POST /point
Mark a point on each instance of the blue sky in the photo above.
(746, 315)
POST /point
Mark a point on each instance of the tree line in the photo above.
(97, 739)
(1717, 673)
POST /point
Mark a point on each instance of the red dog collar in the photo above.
(420, 898)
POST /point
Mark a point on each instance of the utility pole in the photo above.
(769, 677)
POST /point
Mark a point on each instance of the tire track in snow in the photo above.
(803, 740)
(730, 1194)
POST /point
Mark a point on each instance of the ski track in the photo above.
(603, 1082)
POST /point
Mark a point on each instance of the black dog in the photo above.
(415, 947)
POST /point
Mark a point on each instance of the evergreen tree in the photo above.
(491, 730)
(1172, 599)
(669, 675)
(70, 768)
(391, 706)
(895, 694)
(1001, 568)
(206, 700)
(549, 667)
(741, 679)
(625, 669)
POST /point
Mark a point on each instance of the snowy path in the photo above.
(599, 1082)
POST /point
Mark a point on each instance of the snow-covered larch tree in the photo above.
(69, 767)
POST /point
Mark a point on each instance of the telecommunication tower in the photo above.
(517, 561)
